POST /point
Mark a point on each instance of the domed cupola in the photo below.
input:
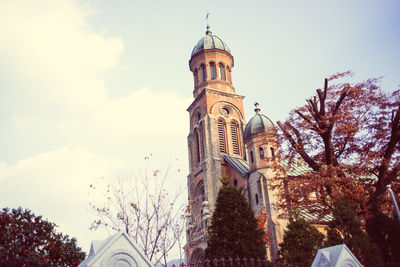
(209, 42)
(211, 63)
(259, 123)
(261, 140)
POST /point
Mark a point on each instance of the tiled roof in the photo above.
(210, 42)
(296, 167)
(257, 124)
(237, 163)
(312, 217)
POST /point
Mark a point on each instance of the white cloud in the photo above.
(58, 63)
(51, 44)
(143, 114)
(57, 109)
(55, 184)
(65, 169)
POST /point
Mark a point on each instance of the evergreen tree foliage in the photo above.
(385, 232)
(29, 240)
(234, 231)
(301, 242)
(346, 228)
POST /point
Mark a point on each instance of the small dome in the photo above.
(259, 123)
(210, 41)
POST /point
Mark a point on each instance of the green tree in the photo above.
(234, 231)
(301, 242)
(385, 232)
(346, 228)
(29, 240)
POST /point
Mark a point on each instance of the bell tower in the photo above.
(216, 128)
(261, 140)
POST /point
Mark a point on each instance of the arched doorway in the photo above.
(197, 258)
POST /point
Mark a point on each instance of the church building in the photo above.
(222, 144)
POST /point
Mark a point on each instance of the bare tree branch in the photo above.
(390, 148)
(146, 210)
(298, 146)
(360, 124)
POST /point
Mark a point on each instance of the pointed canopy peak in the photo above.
(208, 31)
(257, 108)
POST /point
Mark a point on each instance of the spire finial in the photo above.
(257, 109)
(208, 31)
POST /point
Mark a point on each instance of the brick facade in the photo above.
(217, 126)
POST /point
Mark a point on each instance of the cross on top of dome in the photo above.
(208, 31)
(209, 41)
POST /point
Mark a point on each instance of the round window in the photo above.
(225, 111)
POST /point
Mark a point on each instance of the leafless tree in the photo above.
(143, 207)
(348, 135)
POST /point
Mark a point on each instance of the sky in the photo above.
(89, 88)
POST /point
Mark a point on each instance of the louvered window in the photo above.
(221, 136)
(235, 141)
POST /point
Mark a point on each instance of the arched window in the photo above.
(235, 141)
(201, 140)
(200, 193)
(196, 76)
(197, 146)
(235, 183)
(203, 72)
(222, 71)
(261, 153)
(251, 157)
(200, 197)
(221, 136)
(272, 153)
(229, 74)
(259, 190)
(257, 201)
(213, 71)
